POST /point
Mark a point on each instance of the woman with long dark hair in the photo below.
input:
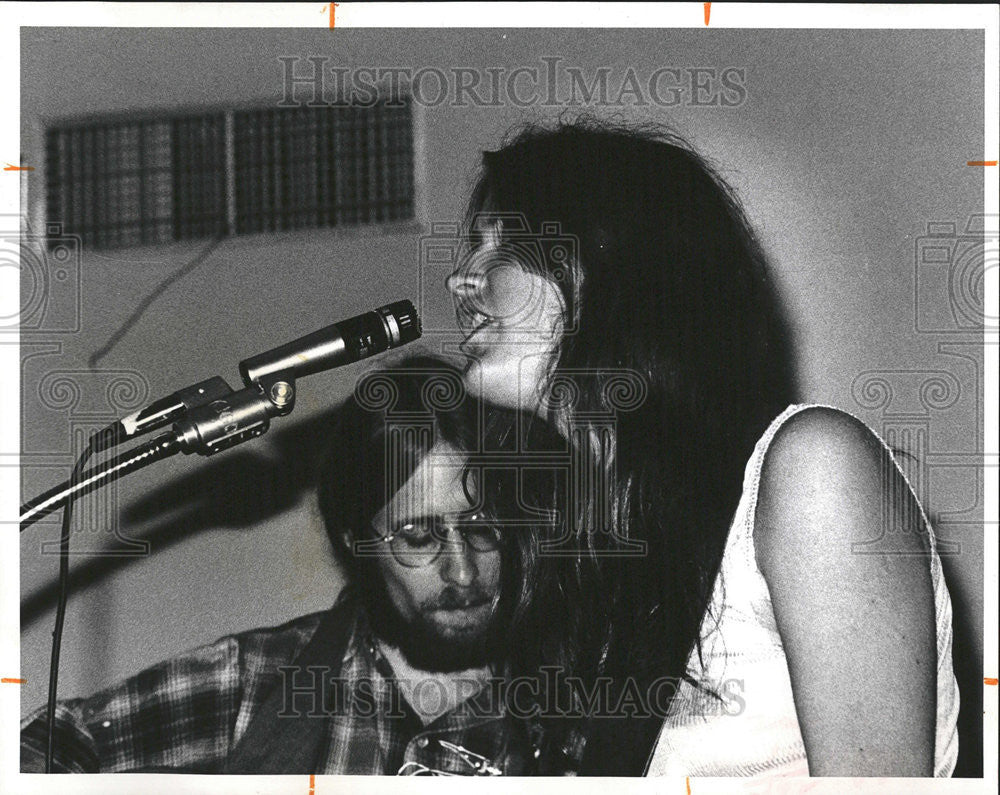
(713, 526)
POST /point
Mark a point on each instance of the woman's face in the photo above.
(512, 318)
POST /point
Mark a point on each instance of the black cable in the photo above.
(67, 519)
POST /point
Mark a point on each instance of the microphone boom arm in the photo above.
(209, 417)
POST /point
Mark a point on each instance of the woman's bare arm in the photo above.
(858, 629)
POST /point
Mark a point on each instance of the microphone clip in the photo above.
(237, 417)
(279, 389)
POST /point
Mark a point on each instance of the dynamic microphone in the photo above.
(209, 417)
(342, 343)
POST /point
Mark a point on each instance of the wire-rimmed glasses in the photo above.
(419, 542)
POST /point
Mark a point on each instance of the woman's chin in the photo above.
(499, 387)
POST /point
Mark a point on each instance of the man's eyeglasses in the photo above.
(418, 543)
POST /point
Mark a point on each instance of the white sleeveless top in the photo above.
(742, 654)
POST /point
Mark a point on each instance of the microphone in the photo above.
(209, 417)
(342, 343)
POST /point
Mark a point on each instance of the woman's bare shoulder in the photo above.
(816, 434)
(853, 624)
(827, 471)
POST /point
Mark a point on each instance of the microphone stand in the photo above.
(207, 429)
(48, 502)
(225, 422)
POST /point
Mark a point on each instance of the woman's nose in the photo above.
(456, 283)
(467, 279)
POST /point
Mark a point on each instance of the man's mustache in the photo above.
(450, 599)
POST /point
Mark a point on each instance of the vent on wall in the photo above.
(139, 182)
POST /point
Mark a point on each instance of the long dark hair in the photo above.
(381, 434)
(668, 289)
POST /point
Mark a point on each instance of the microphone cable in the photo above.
(67, 518)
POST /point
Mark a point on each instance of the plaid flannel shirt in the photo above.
(188, 713)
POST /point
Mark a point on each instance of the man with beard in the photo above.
(397, 677)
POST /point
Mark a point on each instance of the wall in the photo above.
(848, 144)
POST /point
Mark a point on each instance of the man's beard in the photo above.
(422, 642)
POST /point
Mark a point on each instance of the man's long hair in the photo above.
(667, 288)
(385, 429)
(381, 434)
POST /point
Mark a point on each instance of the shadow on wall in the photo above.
(206, 500)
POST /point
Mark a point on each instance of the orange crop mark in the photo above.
(331, 6)
(687, 780)
(19, 168)
(12, 681)
(987, 680)
(980, 162)
(312, 784)
(708, 13)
